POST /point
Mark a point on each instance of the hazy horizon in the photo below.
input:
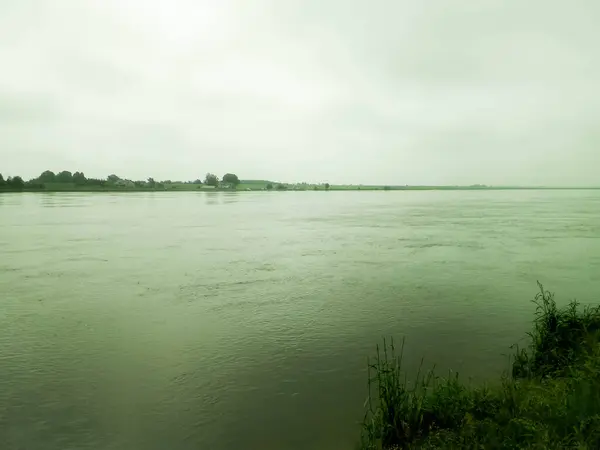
(399, 93)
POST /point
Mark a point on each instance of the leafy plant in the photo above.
(552, 399)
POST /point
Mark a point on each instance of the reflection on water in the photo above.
(220, 197)
(231, 197)
(158, 320)
(62, 200)
(212, 198)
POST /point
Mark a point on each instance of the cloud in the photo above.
(395, 92)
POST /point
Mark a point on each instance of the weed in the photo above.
(552, 399)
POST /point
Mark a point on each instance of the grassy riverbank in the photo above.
(550, 400)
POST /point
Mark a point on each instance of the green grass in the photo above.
(550, 400)
(354, 187)
(182, 187)
(255, 185)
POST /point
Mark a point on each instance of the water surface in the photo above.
(244, 320)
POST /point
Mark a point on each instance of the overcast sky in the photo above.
(343, 91)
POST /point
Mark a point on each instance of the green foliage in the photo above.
(47, 177)
(79, 178)
(327, 186)
(281, 187)
(95, 182)
(270, 187)
(552, 401)
(211, 180)
(16, 183)
(64, 177)
(67, 181)
(231, 178)
(560, 338)
(34, 184)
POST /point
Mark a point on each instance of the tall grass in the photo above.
(551, 399)
(560, 339)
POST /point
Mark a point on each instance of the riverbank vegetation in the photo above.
(77, 181)
(550, 400)
(68, 181)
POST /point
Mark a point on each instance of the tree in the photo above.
(79, 178)
(327, 186)
(34, 184)
(281, 187)
(16, 182)
(269, 187)
(211, 180)
(198, 182)
(151, 182)
(64, 177)
(231, 178)
(95, 182)
(47, 177)
(113, 178)
(2, 182)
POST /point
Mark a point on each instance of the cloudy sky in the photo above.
(344, 91)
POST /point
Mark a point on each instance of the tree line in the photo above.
(12, 183)
(79, 179)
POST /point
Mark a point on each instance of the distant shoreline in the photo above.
(66, 181)
(193, 188)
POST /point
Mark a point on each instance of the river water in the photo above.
(159, 321)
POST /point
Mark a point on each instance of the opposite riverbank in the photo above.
(259, 187)
(67, 181)
(550, 400)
